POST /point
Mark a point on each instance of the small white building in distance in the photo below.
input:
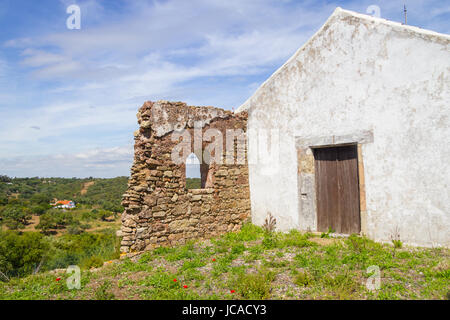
(359, 127)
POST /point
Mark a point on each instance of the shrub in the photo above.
(21, 254)
(78, 249)
(92, 262)
(248, 232)
(303, 279)
(254, 285)
(76, 228)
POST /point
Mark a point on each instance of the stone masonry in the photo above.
(159, 210)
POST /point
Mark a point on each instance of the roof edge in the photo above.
(245, 106)
(342, 12)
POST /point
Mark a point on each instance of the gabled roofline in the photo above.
(341, 12)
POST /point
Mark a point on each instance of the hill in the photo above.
(35, 236)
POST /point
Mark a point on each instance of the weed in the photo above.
(193, 263)
(294, 239)
(103, 293)
(254, 285)
(146, 257)
(161, 286)
(193, 274)
(327, 234)
(183, 252)
(121, 283)
(238, 248)
(92, 262)
(248, 232)
(397, 244)
(270, 240)
(342, 286)
(270, 223)
(303, 279)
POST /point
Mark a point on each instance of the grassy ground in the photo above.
(253, 264)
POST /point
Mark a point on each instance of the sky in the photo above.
(69, 97)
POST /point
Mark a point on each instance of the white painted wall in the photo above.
(361, 73)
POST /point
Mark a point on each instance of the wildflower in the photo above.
(174, 280)
(185, 286)
(214, 259)
(232, 291)
(57, 279)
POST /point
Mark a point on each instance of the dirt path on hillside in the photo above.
(86, 187)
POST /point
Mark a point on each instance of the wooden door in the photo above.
(337, 189)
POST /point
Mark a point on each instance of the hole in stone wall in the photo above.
(193, 174)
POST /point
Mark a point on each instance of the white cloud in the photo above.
(107, 162)
(39, 58)
(82, 88)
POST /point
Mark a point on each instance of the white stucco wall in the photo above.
(360, 73)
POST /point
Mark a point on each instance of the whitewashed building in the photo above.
(360, 128)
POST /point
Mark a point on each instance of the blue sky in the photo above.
(68, 98)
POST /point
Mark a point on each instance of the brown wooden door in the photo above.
(337, 189)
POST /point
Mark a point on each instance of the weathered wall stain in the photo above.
(362, 74)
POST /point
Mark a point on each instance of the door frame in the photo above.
(307, 200)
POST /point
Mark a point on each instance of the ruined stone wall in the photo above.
(159, 210)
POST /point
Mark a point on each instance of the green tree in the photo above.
(15, 216)
(3, 200)
(4, 178)
(40, 209)
(104, 214)
(112, 207)
(54, 219)
(40, 199)
(47, 223)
